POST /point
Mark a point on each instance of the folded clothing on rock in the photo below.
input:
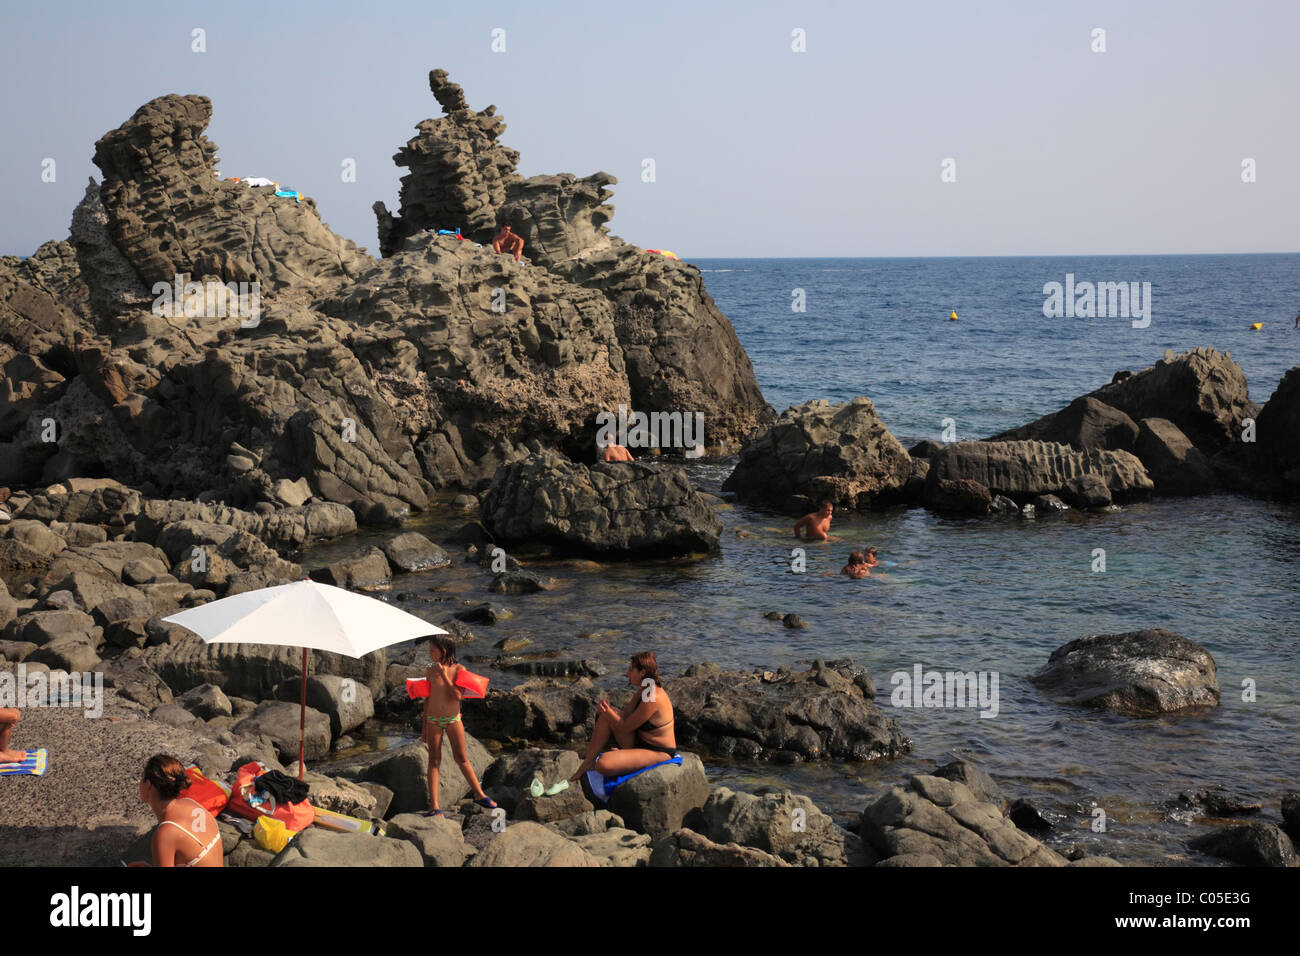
(282, 787)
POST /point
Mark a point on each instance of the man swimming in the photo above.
(817, 525)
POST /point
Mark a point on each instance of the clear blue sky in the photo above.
(759, 151)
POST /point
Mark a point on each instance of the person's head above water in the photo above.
(442, 648)
(827, 508)
(855, 557)
(643, 665)
(164, 777)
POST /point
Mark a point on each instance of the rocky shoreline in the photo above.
(153, 460)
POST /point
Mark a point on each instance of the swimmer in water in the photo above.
(857, 567)
(818, 524)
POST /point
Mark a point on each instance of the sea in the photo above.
(995, 596)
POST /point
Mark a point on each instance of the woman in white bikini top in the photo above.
(160, 787)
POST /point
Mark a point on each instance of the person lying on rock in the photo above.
(641, 732)
(186, 834)
(509, 243)
(615, 452)
(817, 525)
(8, 717)
(857, 567)
(442, 715)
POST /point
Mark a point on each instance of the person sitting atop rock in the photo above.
(818, 524)
(857, 567)
(614, 452)
(509, 243)
(187, 834)
(8, 717)
(641, 732)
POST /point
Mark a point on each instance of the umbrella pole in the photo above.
(302, 717)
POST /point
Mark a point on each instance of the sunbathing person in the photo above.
(641, 733)
(9, 717)
(187, 834)
(509, 243)
(817, 525)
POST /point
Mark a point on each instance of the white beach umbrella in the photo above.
(304, 614)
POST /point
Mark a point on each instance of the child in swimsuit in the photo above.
(193, 838)
(857, 567)
(442, 715)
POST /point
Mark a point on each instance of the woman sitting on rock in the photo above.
(642, 731)
(187, 834)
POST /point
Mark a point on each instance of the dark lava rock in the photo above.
(826, 712)
(517, 582)
(1218, 802)
(1139, 673)
(1023, 469)
(842, 453)
(630, 509)
(481, 614)
(1249, 844)
(412, 552)
(582, 668)
(1291, 814)
(1030, 818)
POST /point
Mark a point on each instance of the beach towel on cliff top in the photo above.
(602, 786)
(289, 194)
(35, 764)
(258, 181)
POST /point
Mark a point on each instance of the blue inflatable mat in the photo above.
(602, 786)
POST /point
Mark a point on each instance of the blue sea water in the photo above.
(977, 594)
(880, 328)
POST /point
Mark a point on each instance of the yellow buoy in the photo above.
(1257, 325)
(953, 317)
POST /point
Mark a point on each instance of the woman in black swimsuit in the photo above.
(642, 732)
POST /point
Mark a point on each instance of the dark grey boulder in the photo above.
(1138, 673)
(1248, 844)
(826, 712)
(842, 453)
(625, 509)
(411, 551)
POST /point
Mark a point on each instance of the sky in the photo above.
(758, 150)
